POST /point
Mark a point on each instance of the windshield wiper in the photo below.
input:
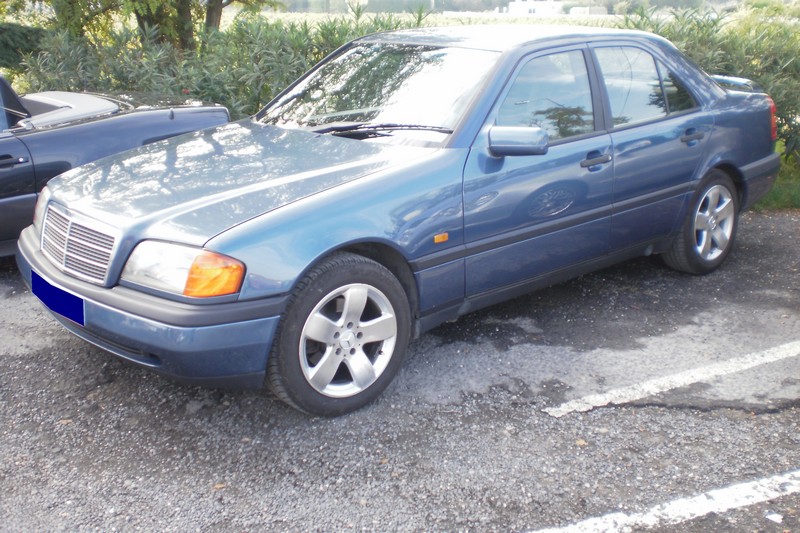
(366, 127)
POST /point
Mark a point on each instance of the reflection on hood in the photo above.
(212, 179)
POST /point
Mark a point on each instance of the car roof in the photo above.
(501, 38)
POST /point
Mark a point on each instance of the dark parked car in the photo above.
(45, 134)
(409, 178)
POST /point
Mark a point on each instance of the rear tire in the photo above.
(342, 338)
(708, 232)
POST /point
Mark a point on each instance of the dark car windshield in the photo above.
(11, 109)
(416, 86)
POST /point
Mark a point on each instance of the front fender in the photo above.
(403, 209)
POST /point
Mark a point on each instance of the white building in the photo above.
(535, 7)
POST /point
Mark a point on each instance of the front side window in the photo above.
(553, 93)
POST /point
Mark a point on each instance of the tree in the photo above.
(79, 17)
(214, 13)
(175, 21)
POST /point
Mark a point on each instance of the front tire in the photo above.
(342, 338)
(709, 230)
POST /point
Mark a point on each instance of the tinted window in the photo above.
(633, 84)
(5, 116)
(11, 110)
(678, 97)
(551, 92)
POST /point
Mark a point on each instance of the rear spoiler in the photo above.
(738, 84)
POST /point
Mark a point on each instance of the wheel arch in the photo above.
(737, 177)
(393, 261)
(388, 257)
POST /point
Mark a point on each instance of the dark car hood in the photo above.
(195, 186)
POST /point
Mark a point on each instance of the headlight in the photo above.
(41, 205)
(183, 270)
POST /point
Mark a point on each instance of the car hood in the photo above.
(193, 187)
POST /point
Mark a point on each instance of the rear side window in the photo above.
(639, 88)
(633, 84)
(553, 93)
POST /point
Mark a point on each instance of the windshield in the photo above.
(11, 109)
(386, 84)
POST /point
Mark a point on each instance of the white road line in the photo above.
(681, 379)
(684, 509)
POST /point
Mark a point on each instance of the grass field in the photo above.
(785, 194)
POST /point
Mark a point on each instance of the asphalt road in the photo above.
(632, 399)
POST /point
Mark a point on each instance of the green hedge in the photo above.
(242, 67)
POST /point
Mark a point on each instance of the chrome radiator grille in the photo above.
(76, 248)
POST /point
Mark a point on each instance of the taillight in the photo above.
(773, 119)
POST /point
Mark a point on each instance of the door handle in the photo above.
(599, 160)
(8, 160)
(692, 136)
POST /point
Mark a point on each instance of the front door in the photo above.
(17, 187)
(527, 216)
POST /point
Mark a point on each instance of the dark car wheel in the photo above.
(709, 229)
(342, 338)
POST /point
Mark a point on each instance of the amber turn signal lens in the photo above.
(213, 275)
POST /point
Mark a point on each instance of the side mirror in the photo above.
(517, 140)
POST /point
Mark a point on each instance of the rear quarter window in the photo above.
(678, 97)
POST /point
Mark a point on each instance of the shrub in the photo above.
(64, 63)
(16, 42)
(242, 67)
(246, 65)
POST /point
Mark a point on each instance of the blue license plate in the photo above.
(57, 300)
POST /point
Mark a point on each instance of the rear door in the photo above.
(660, 135)
(528, 215)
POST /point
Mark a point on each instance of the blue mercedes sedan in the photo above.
(409, 178)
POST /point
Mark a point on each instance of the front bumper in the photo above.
(219, 345)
